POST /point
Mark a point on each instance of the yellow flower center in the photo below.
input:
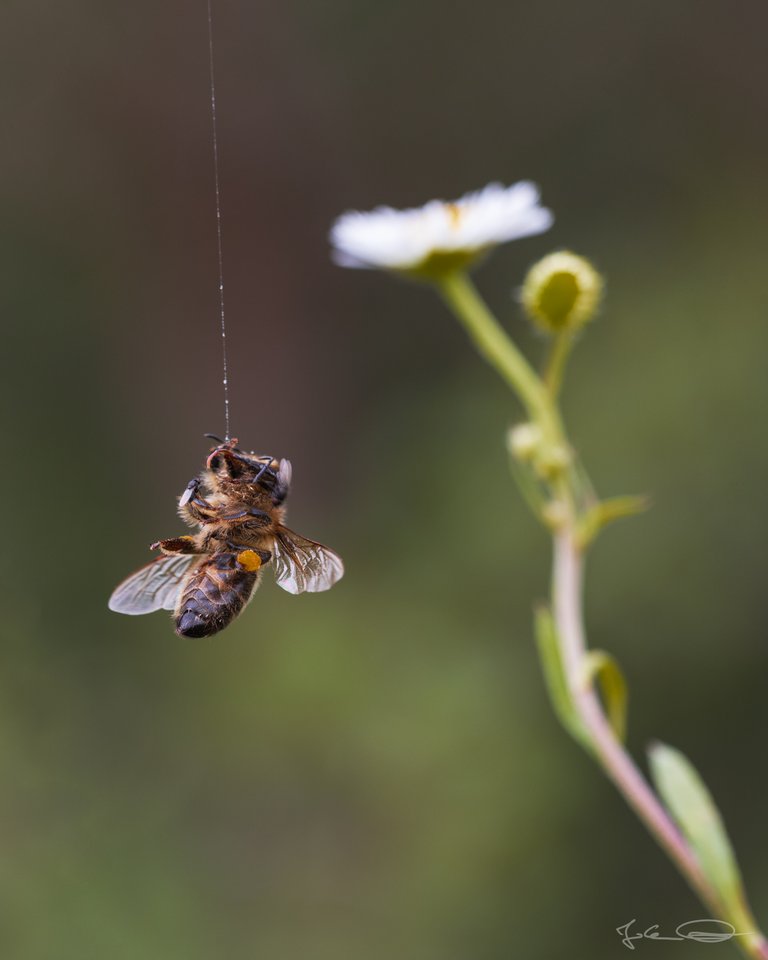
(454, 214)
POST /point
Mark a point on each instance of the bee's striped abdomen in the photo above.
(215, 592)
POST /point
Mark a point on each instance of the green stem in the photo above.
(492, 342)
(558, 357)
(499, 350)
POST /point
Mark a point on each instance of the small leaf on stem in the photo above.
(692, 806)
(554, 675)
(607, 511)
(601, 666)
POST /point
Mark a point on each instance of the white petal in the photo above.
(403, 239)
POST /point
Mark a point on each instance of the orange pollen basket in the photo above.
(249, 560)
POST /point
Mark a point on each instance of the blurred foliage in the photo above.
(374, 772)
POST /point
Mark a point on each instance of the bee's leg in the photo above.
(176, 545)
(190, 503)
(199, 511)
(261, 515)
(196, 507)
(266, 466)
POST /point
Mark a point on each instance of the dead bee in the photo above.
(207, 579)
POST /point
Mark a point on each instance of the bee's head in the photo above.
(224, 463)
(228, 463)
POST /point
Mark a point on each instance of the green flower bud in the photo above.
(552, 461)
(524, 441)
(562, 292)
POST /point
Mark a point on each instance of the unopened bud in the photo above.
(523, 441)
(562, 292)
(552, 461)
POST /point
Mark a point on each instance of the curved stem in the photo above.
(539, 399)
(495, 346)
(613, 758)
(567, 600)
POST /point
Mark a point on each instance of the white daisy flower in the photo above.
(439, 237)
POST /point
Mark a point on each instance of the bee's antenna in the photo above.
(225, 380)
(212, 436)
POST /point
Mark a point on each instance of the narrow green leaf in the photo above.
(601, 666)
(554, 675)
(607, 511)
(692, 806)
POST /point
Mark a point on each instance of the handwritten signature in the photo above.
(702, 931)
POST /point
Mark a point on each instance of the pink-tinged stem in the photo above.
(494, 345)
(618, 765)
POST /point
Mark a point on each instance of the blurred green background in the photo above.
(374, 772)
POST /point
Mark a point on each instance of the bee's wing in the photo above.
(154, 587)
(304, 565)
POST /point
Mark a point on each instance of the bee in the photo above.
(237, 506)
